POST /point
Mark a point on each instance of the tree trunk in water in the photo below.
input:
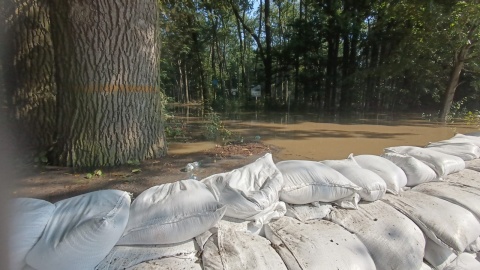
(451, 87)
(109, 103)
(268, 56)
(33, 89)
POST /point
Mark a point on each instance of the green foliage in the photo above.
(96, 173)
(215, 129)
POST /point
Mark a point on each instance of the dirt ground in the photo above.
(57, 183)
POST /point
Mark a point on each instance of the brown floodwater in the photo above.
(313, 137)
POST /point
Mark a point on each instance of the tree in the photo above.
(107, 65)
(464, 37)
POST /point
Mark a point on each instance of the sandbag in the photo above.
(392, 239)
(464, 196)
(473, 165)
(437, 255)
(28, 219)
(309, 181)
(317, 244)
(456, 147)
(425, 267)
(81, 231)
(474, 247)
(229, 249)
(466, 137)
(122, 257)
(373, 186)
(464, 261)
(416, 171)
(445, 223)
(250, 192)
(172, 263)
(394, 176)
(171, 213)
(441, 163)
(305, 212)
(465, 177)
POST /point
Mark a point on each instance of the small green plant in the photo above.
(134, 162)
(215, 129)
(175, 128)
(96, 173)
(472, 118)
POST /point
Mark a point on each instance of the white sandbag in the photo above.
(317, 244)
(82, 231)
(441, 163)
(122, 257)
(437, 255)
(171, 263)
(474, 247)
(464, 261)
(473, 139)
(394, 176)
(392, 239)
(473, 165)
(28, 218)
(171, 213)
(416, 171)
(305, 212)
(445, 223)
(464, 196)
(309, 181)
(465, 177)
(230, 250)
(425, 267)
(456, 147)
(250, 192)
(373, 186)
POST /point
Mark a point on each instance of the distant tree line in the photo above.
(333, 55)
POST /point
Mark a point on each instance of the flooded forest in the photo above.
(106, 83)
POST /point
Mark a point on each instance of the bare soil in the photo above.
(57, 183)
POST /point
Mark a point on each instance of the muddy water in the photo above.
(312, 137)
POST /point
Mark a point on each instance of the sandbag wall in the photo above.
(410, 208)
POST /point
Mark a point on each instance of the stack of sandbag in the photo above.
(394, 177)
(28, 220)
(465, 177)
(251, 192)
(416, 171)
(164, 220)
(392, 239)
(442, 164)
(306, 212)
(464, 261)
(81, 231)
(373, 186)
(463, 149)
(317, 244)
(467, 138)
(231, 246)
(133, 257)
(310, 181)
(450, 228)
(171, 213)
(465, 196)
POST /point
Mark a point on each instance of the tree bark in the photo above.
(32, 87)
(109, 102)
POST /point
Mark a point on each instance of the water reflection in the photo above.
(318, 137)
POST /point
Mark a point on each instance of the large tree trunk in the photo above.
(30, 70)
(109, 102)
